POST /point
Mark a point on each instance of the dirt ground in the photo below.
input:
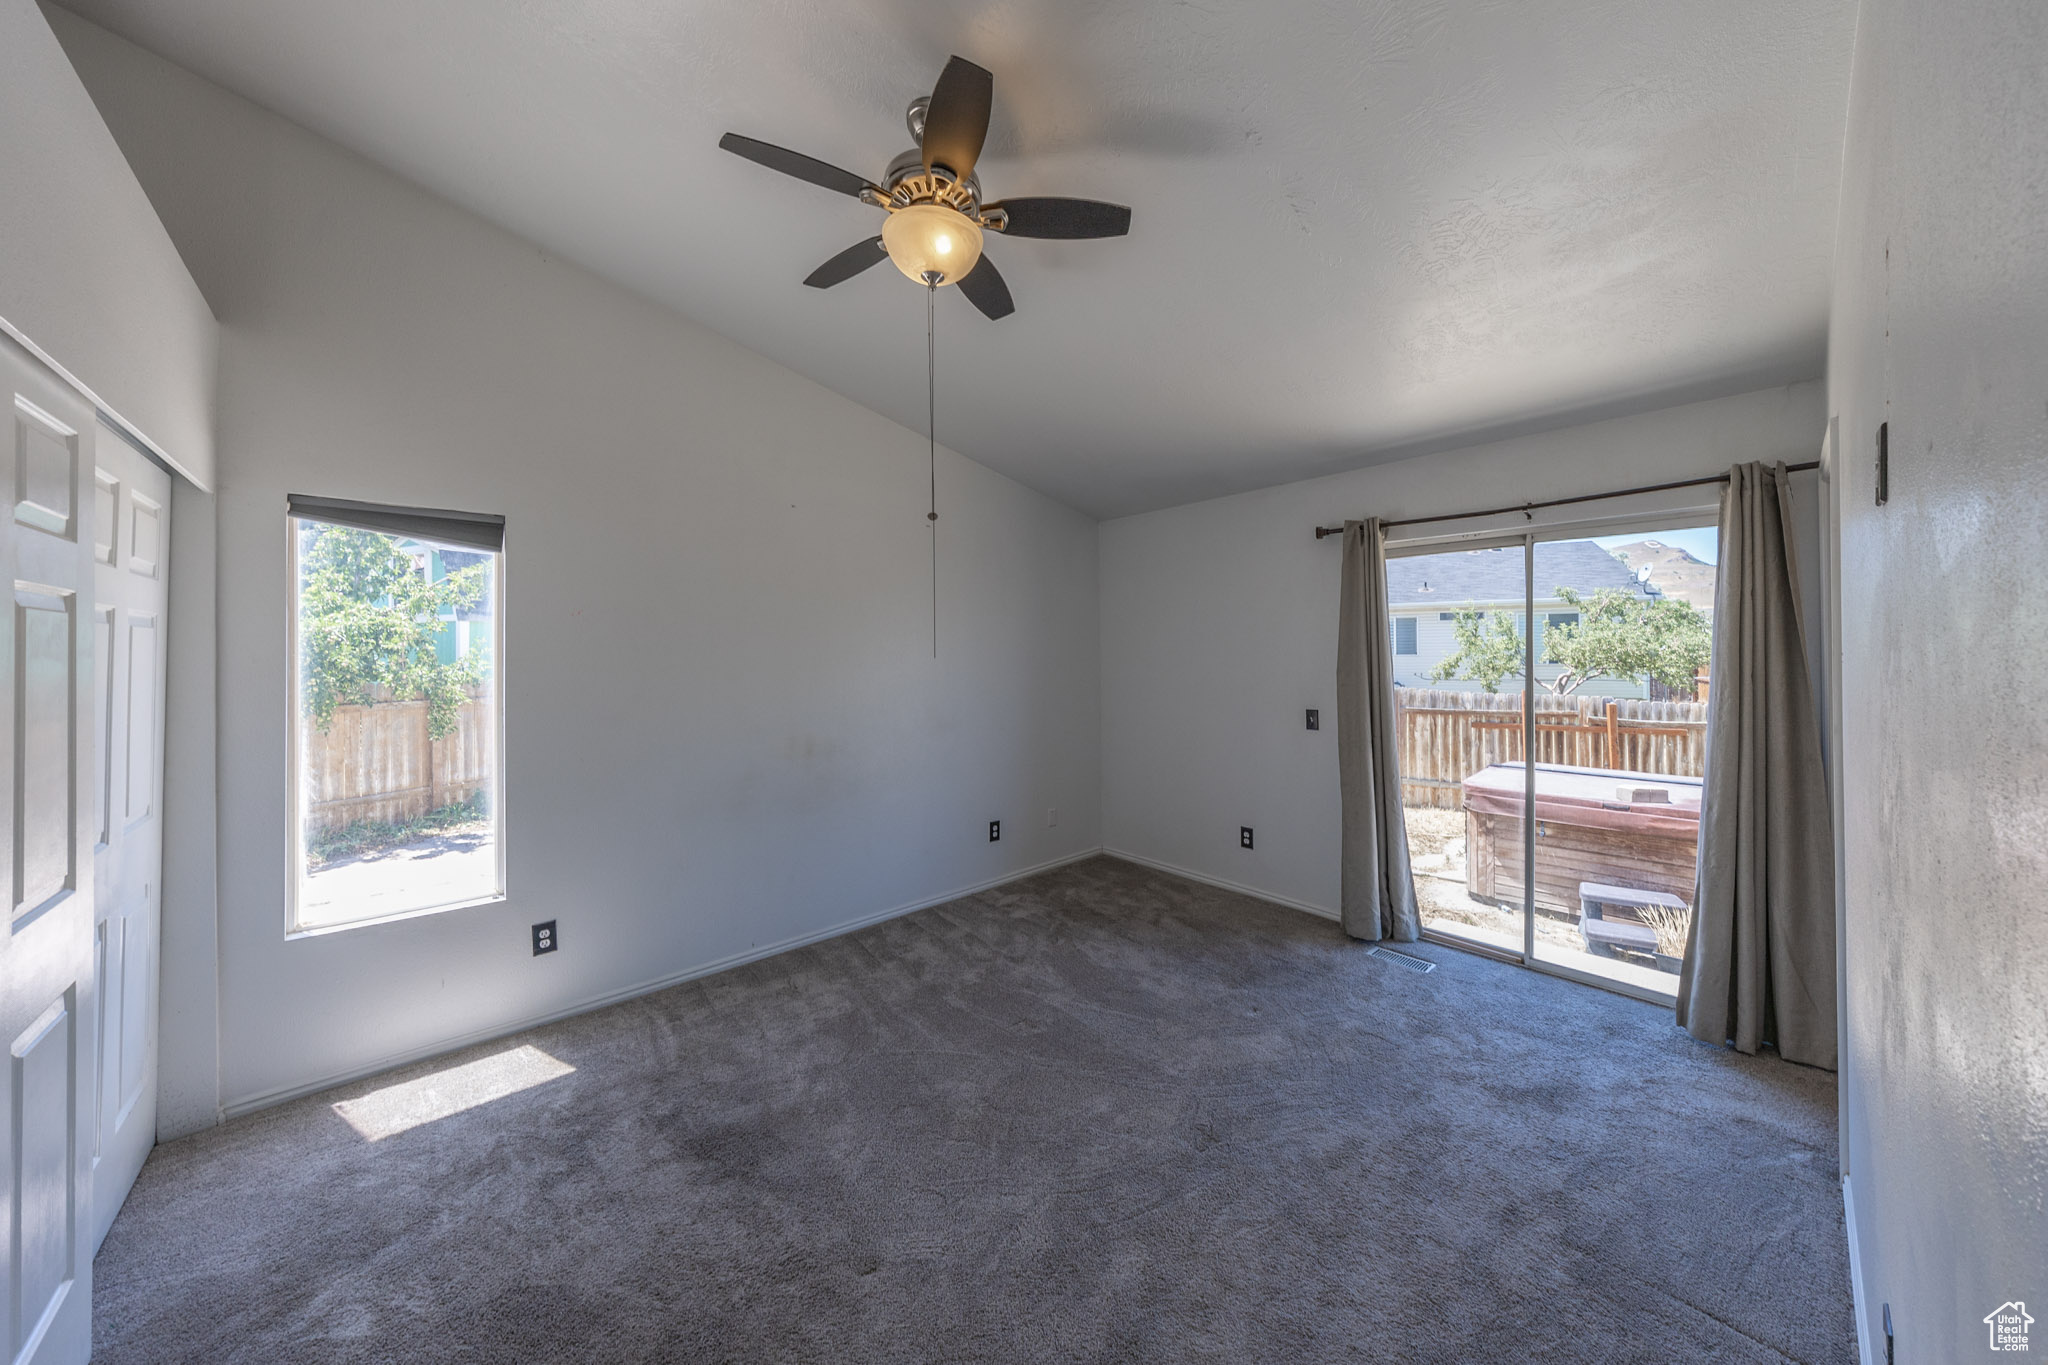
(1436, 851)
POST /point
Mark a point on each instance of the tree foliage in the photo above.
(369, 623)
(1619, 634)
(1488, 650)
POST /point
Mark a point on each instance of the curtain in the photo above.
(1760, 964)
(1378, 890)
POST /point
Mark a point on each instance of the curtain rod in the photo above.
(1527, 508)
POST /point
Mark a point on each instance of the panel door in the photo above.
(130, 543)
(47, 987)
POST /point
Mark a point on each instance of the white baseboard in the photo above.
(1254, 892)
(1867, 1349)
(249, 1104)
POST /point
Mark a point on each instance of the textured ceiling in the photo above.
(1362, 227)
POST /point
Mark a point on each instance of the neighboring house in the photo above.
(1425, 593)
(463, 631)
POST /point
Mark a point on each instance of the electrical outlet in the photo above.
(995, 831)
(1052, 816)
(1244, 836)
(544, 938)
(1315, 719)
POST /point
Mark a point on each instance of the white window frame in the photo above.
(295, 841)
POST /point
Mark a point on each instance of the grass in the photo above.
(376, 836)
(1672, 926)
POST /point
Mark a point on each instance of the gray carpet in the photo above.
(1100, 1115)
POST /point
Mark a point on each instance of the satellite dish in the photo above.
(1643, 574)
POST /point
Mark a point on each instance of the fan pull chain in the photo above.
(931, 437)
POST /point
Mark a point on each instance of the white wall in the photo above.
(188, 994)
(1219, 625)
(725, 729)
(88, 277)
(1940, 328)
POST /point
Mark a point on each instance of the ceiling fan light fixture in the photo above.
(931, 238)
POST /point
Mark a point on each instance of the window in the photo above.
(1404, 635)
(395, 637)
(1561, 618)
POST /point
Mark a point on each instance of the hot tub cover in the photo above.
(1586, 797)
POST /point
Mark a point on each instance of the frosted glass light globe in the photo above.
(932, 237)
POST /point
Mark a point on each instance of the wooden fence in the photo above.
(1447, 736)
(375, 762)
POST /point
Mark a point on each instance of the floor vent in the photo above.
(1413, 964)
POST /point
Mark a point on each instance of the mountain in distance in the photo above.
(1673, 572)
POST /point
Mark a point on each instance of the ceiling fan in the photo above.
(936, 217)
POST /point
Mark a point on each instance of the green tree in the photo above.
(1487, 651)
(1619, 634)
(370, 620)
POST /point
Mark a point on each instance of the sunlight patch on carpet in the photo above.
(400, 1108)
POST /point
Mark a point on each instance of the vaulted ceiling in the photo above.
(1362, 228)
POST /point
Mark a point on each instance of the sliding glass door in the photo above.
(1460, 665)
(1589, 652)
(1621, 743)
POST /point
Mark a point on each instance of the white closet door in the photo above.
(131, 537)
(47, 992)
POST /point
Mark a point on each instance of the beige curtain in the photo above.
(1378, 890)
(1760, 965)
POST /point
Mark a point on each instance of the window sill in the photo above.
(322, 930)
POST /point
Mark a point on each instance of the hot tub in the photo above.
(1587, 830)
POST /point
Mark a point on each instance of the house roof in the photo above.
(1451, 579)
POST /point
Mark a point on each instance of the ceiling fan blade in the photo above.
(1069, 219)
(956, 121)
(985, 289)
(794, 163)
(847, 264)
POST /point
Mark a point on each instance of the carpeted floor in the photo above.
(1100, 1115)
